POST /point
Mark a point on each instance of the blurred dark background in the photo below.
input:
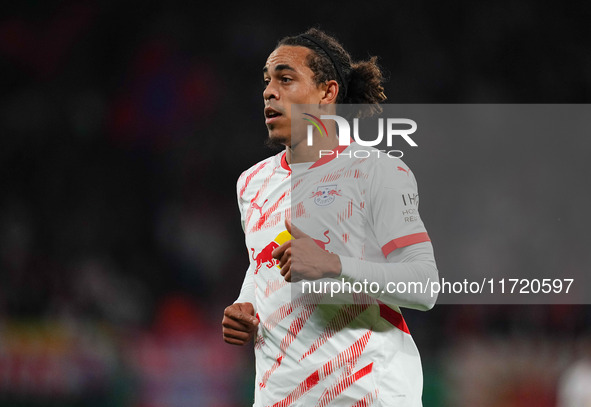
(124, 127)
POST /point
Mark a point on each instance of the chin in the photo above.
(276, 140)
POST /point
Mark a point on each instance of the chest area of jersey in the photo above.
(331, 213)
(324, 203)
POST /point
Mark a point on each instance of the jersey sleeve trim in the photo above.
(404, 241)
(393, 317)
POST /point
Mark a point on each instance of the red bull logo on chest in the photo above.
(265, 256)
(325, 195)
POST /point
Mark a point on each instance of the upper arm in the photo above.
(239, 192)
(395, 207)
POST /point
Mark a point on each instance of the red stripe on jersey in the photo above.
(296, 326)
(405, 241)
(393, 317)
(286, 309)
(342, 318)
(259, 342)
(330, 394)
(333, 176)
(265, 183)
(274, 219)
(345, 213)
(360, 174)
(306, 385)
(251, 209)
(277, 316)
(348, 358)
(367, 400)
(251, 175)
(300, 210)
(260, 191)
(268, 373)
(274, 285)
(327, 158)
(293, 331)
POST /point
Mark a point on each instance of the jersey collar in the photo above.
(321, 161)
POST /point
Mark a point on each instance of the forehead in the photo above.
(293, 56)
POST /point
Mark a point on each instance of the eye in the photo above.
(285, 79)
(266, 82)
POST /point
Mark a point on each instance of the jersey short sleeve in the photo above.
(394, 206)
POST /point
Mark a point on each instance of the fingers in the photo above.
(285, 257)
(233, 341)
(286, 269)
(239, 324)
(290, 277)
(236, 333)
(236, 313)
(235, 337)
(233, 324)
(279, 252)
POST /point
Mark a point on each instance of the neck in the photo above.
(301, 152)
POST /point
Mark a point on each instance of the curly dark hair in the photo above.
(364, 78)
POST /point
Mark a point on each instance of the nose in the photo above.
(270, 91)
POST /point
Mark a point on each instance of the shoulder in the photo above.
(386, 174)
(381, 164)
(258, 170)
(393, 167)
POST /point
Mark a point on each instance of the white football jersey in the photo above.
(310, 351)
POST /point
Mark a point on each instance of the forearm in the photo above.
(412, 268)
(247, 290)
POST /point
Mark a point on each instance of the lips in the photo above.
(272, 115)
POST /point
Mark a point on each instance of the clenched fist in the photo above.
(239, 323)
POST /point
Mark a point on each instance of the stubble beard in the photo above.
(276, 142)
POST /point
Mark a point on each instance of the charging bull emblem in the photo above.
(265, 256)
(322, 244)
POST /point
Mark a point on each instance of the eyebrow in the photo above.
(280, 67)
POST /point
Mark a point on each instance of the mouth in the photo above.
(272, 115)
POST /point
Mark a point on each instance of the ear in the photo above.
(331, 91)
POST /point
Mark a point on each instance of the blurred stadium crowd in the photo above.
(124, 127)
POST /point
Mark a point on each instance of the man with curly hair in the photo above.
(351, 227)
